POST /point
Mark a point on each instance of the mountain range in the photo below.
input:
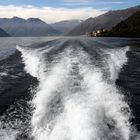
(107, 21)
(35, 27)
(127, 28)
(18, 27)
(66, 25)
(3, 33)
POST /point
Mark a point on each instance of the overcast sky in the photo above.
(55, 10)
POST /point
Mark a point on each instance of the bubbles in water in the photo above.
(76, 98)
(74, 101)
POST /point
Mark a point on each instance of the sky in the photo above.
(56, 10)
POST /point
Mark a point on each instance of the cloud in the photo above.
(48, 14)
(112, 2)
(117, 2)
(77, 2)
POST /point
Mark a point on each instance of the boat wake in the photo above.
(77, 98)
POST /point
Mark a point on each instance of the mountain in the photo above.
(19, 27)
(107, 21)
(3, 33)
(127, 28)
(65, 26)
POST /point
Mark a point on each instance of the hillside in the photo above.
(128, 28)
(19, 27)
(3, 33)
(65, 26)
(107, 21)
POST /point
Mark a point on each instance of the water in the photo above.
(70, 89)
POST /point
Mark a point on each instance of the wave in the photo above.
(77, 98)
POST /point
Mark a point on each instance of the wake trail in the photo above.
(77, 98)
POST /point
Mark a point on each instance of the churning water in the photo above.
(77, 97)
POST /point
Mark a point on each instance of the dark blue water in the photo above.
(69, 88)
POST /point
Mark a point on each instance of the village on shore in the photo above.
(98, 33)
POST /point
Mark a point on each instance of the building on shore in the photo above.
(97, 33)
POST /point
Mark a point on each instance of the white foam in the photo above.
(8, 134)
(3, 74)
(115, 60)
(95, 111)
(32, 61)
(107, 106)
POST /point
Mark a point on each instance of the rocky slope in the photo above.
(3, 33)
(107, 20)
(65, 26)
(127, 28)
